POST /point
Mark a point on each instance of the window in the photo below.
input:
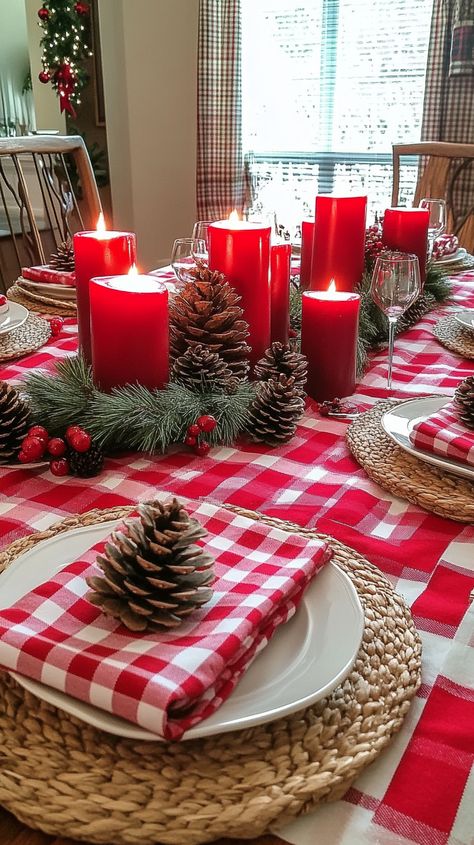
(327, 87)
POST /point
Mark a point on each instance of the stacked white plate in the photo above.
(13, 318)
(457, 262)
(61, 293)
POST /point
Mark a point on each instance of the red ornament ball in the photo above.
(33, 448)
(43, 13)
(40, 432)
(71, 431)
(194, 430)
(56, 324)
(60, 467)
(57, 447)
(80, 441)
(207, 423)
(44, 76)
(202, 448)
(190, 440)
(82, 8)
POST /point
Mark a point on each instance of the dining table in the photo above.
(421, 788)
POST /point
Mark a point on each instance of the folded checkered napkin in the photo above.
(168, 681)
(443, 434)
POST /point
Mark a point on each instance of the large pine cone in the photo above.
(275, 411)
(464, 401)
(63, 259)
(206, 312)
(416, 312)
(14, 422)
(154, 573)
(202, 370)
(281, 359)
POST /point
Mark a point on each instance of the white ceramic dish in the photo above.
(465, 318)
(399, 422)
(14, 318)
(306, 659)
(63, 292)
(459, 255)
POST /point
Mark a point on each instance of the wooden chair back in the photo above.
(443, 165)
(47, 192)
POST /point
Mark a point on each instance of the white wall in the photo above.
(149, 56)
(13, 60)
(46, 103)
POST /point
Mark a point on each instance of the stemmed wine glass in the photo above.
(184, 255)
(201, 233)
(395, 286)
(437, 219)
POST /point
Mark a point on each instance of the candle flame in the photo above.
(101, 227)
(233, 217)
(133, 270)
(332, 286)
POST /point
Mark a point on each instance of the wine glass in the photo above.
(183, 257)
(437, 219)
(201, 233)
(395, 286)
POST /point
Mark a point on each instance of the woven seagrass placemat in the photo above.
(403, 474)
(66, 778)
(452, 335)
(41, 304)
(25, 339)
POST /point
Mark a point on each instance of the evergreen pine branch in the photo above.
(61, 399)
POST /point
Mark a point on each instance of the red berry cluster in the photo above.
(194, 438)
(38, 444)
(373, 245)
(56, 324)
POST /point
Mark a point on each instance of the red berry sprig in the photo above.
(56, 325)
(59, 467)
(203, 425)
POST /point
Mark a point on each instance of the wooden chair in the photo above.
(47, 192)
(444, 164)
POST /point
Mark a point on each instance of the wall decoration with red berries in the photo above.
(65, 43)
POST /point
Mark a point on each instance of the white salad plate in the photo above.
(306, 659)
(399, 422)
(13, 318)
(465, 318)
(50, 289)
(459, 255)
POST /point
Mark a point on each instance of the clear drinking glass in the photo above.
(183, 257)
(437, 220)
(395, 286)
(201, 233)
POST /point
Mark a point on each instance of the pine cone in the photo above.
(281, 359)
(206, 312)
(464, 401)
(275, 411)
(14, 422)
(86, 464)
(63, 259)
(416, 312)
(202, 370)
(154, 573)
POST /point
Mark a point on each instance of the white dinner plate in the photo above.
(14, 317)
(306, 659)
(49, 289)
(465, 318)
(399, 422)
(459, 255)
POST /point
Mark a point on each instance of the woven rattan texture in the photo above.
(25, 339)
(403, 474)
(41, 304)
(452, 335)
(66, 778)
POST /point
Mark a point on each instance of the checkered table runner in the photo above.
(421, 789)
(443, 434)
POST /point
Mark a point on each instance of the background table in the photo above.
(421, 789)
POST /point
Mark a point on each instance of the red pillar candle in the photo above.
(307, 236)
(339, 238)
(241, 250)
(406, 230)
(280, 261)
(329, 341)
(98, 253)
(129, 331)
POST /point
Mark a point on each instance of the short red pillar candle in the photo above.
(339, 240)
(280, 261)
(406, 230)
(329, 340)
(98, 253)
(307, 236)
(129, 330)
(241, 250)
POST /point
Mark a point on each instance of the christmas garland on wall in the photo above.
(65, 43)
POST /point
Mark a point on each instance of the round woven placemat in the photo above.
(69, 779)
(41, 304)
(403, 474)
(452, 335)
(26, 338)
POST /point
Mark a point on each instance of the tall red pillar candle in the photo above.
(406, 230)
(129, 331)
(98, 253)
(280, 261)
(329, 330)
(241, 250)
(339, 239)
(307, 236)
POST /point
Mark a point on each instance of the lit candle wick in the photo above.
(234, 217)
(332, 286)
(133, 270)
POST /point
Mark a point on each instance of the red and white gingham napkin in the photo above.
(443, 434)
(166, 682)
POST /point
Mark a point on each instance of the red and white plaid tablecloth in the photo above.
(444, 434)
(421, 789)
